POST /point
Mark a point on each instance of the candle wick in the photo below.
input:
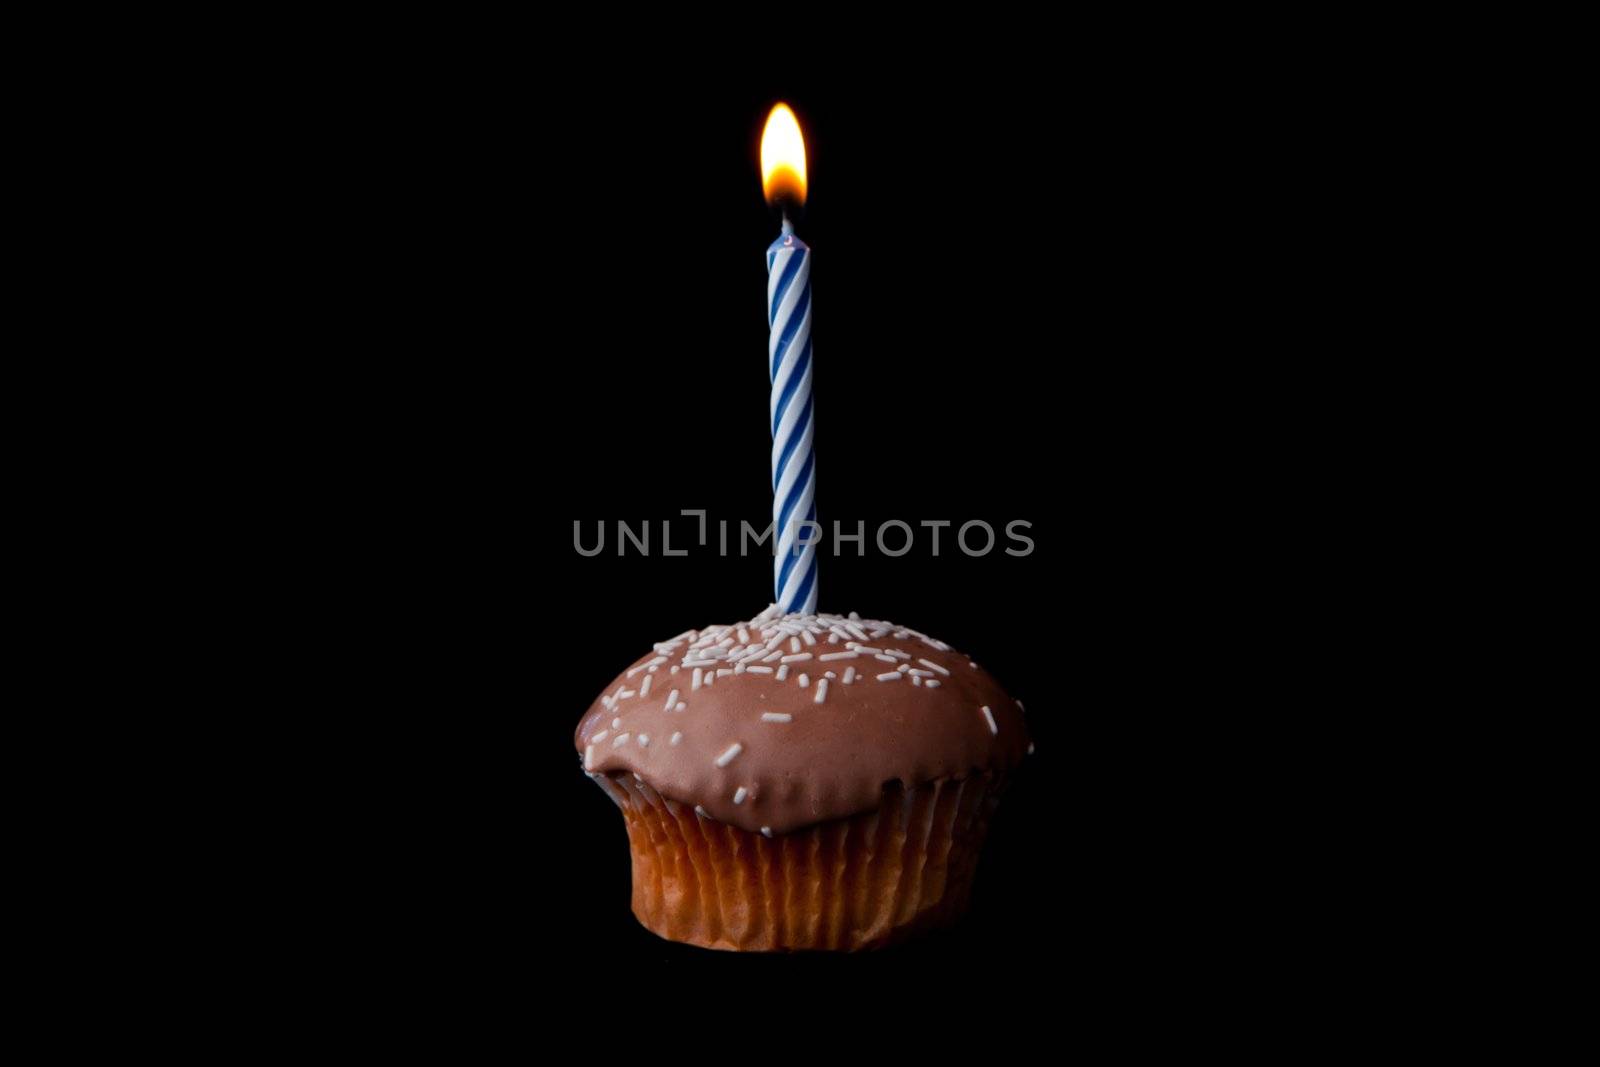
(788, 227)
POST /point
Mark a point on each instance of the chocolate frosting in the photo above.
(773, 738)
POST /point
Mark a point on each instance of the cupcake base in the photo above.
(863, 882)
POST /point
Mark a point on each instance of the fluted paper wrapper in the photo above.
(857, 883)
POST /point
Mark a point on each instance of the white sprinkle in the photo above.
(754, 653)
(615, 723)
(987, 714)
(915, 680)
(855, 615)
(932, 683)
(805, 635)
(877, 632)
(805, 680)
(849, 675)
(723, 672)
(696, 683)
(588, 757)
(726, 642)
(822, 690)
(766, 831)
(599, 737)
(833, 639)
(794, 644)
(860, 634)
(829, 657)
(698, 810)
(655, 662)
(854, 646)
(1030, 748)
(698, 663)
(620, 739)
(829, 674)
(890, 676)
(971, 664)
(644, 690)
(677, 735)
(930, 664)
(625, 694)
(728, 756)
(896, 653)
(739, 795)
(682, 705)
(918, 672)
(776, 716)
(1021, 708)
(783, 672)
(672, 698)
(738, 668)
(711, 677)
(886, 659)
(644, 740)
(744, 636)
(636, 777)
(796, 658)
(674, 669)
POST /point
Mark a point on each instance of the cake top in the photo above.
(788, 720)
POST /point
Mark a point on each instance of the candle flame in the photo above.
(783, 158)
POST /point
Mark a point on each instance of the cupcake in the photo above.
(802, 782)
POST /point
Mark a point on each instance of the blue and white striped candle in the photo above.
(794, 476)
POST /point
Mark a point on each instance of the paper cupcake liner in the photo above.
(857, 883)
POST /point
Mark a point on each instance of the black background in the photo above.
(367, 314)
(431, 301)
(1014, 298)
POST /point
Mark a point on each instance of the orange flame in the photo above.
(783, 158)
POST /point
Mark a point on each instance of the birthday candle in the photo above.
(783, 169)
